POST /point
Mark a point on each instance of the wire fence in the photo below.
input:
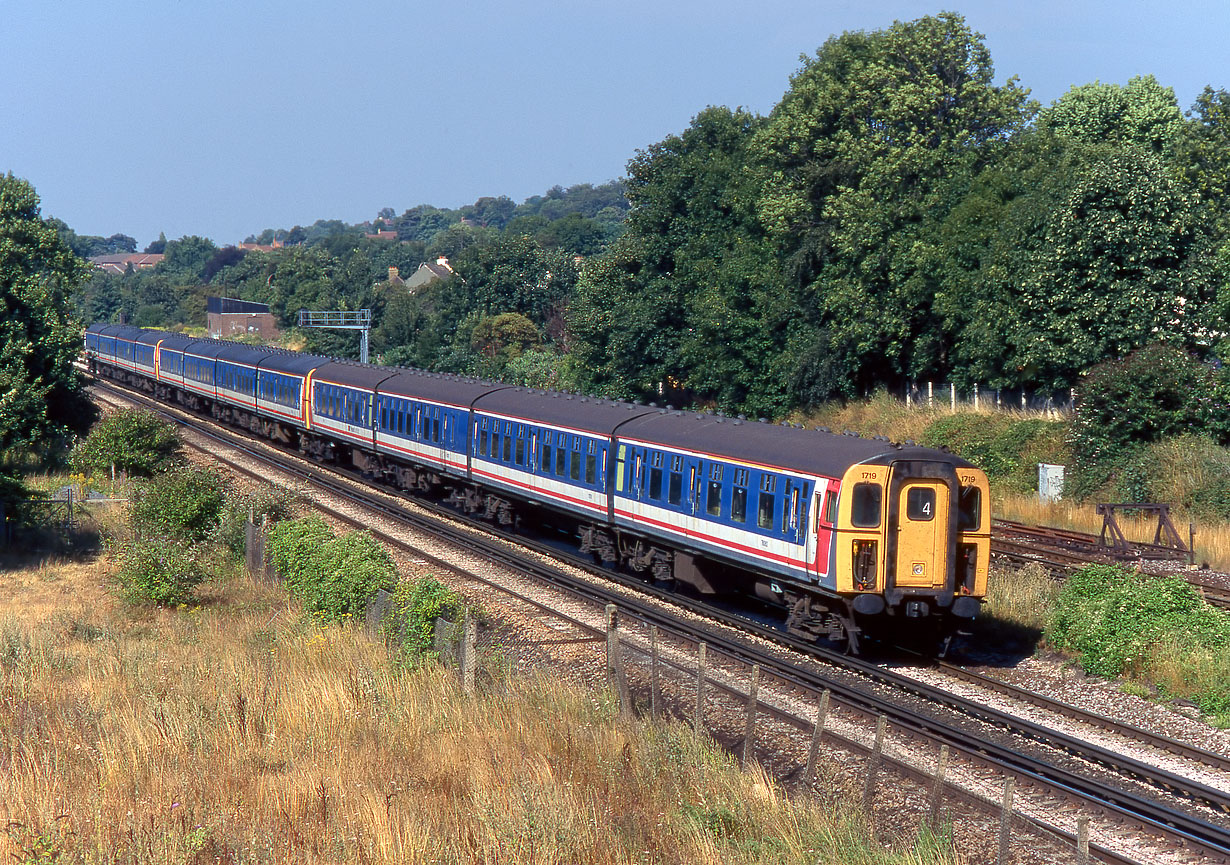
(933, 395)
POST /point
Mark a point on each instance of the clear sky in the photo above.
(223, 118)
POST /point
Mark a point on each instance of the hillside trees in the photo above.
(40, 392)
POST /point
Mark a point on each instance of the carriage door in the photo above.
(922, 532)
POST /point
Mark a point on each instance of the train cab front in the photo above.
(915, 543)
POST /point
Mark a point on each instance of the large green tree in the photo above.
(860, 157)
(40, 392)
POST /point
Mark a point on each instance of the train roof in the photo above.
(590, 414)
(811, 451)
(293, 363)
(437, 387)
(359, 375)
(249, 355)
(126, 331)
(177, 341)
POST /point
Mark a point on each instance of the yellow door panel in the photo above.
(922, 533)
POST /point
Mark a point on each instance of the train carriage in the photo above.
(424, 418)
(169, 360)
(235, 373)
(342, 398)
(283, 379)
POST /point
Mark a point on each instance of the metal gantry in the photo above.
(341, 319)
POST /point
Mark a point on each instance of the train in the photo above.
(849, 537)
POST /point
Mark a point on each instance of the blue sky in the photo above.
(224, 118)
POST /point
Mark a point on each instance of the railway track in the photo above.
(1063, 551)
(1003, 752)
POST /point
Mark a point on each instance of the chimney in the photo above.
(443, 262)
(393, 277)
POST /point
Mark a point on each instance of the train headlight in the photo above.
(864, 566)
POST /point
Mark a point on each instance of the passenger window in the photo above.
(969, 510)
(714, 502)
(655, 483)
(764, 514)
(920, 503)
(738, 505)
(545, 462)
(507, 447)
(591, 468)
(674, 493)
(575, 467)
(482, 442)
(865, 507)
(520, 452)
(561, 457)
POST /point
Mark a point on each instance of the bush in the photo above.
(333, 576)
(276, 503)
(184, 504)
(158, 570)
(412, 615)
(1007, 448)
(131, 440)
(1116, 621)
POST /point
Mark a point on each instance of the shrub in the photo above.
(276, 503)
(1116, 621)
(183, 504)
(131, 440)
(412, 615)
(158, 570)
(333, 576)
(1007, 448)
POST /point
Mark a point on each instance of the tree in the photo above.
(859, 160)
(157, 247)
(128, 440)
(187, 258)
(40, 392)
(1143, 113)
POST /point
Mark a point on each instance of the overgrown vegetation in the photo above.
(1157, 630)
(134, 441)
(158, 570)
(334, 576)
(415, 607)
(1007, 447)
(184, 505)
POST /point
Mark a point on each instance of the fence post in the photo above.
(611, 637)
(930, 395)
(1024, 401)
(809, 774)
(909, 395)
(749, 728)
(941, 768)
(698, 723)
(975, 396)
(1005, 822)
(952, 389)
(469, 643)
(1082, 841)
(873, 768)
(653, 673)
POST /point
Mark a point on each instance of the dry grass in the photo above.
(239, 731)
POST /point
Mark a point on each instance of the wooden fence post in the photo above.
(809, 774)
(937, 787)
(1082, 841)
(611, 637)
(1005, 822)
(749, 728)
(698, 723)
(469, 642)
(653, 672)
(873, 767)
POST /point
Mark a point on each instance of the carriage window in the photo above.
(920, 503)
(655, 483)
(520, 452)
(507, 447)
(865, 508)
(575, 467)
(544, 462)
(674, 493)
(830, 507)
(969, 510)
(714, 503)
(764, 514)
(482, 442)
(591, 468)
(561, 457)
(738, 505)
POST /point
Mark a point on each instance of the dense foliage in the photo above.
(129, 440)
(416, 605)
(40, 392)
(1116, 622)
(333, 576)
(157, 570)
(184, 504)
